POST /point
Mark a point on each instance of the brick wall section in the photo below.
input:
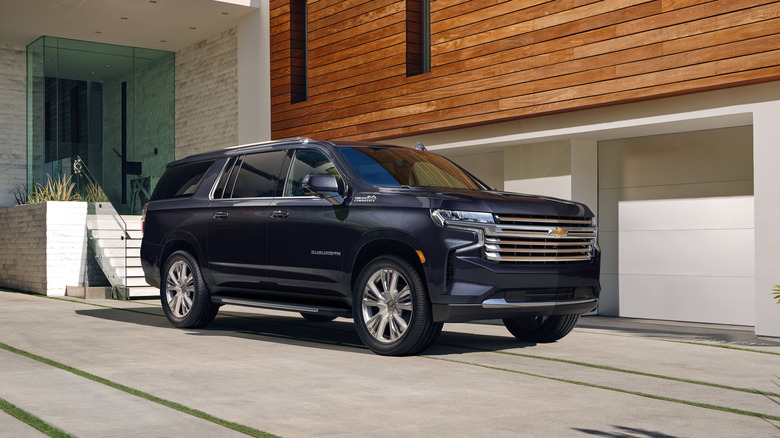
(43, 247)
(207, 95)
(13, 147)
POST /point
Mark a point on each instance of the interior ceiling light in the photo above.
(225, 13)
(98, 32)
(193, 28)
(152, 1)
(163, 41)
(123, 18)
(108, 65)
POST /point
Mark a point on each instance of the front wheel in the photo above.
(541, 329)
(391, 308)
(185, 300)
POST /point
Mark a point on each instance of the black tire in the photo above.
(185, 299)
(541, 329)
(391, 308)
(314, 317)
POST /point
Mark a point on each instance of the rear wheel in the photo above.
(541, 329)
(391, 308)
(185, 300)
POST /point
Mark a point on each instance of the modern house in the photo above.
(661, 115)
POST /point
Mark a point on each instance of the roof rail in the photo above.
(272, 142)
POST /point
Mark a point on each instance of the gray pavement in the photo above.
(278, 373)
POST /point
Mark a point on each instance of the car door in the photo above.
(306, 233)
(239, 216)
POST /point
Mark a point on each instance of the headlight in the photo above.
(456, 217)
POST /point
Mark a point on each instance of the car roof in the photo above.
(296, 141)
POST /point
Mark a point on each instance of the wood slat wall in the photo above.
(496, 60)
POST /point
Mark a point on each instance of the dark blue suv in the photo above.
(400, 239)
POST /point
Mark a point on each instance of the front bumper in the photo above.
(481, 289)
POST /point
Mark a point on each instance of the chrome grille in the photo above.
(540, 239)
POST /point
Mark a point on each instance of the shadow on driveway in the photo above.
(294, 330)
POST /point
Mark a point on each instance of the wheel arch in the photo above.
(371, 249)
(177, 242)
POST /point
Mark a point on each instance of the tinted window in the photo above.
(392, 166)
(219, 191)
(180, 181)
(258, 175)
(306, 162)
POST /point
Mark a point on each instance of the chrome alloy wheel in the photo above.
(180, 288)
(387, 305)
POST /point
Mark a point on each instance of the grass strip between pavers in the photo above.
(31, 420)
(132, 391)
(623, 391)
(640, 373)
(570, 362)
(529, 356)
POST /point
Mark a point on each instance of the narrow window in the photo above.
(418, 37)
(298, 51)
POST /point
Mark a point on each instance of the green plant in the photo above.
(776, 294)
(94, 193)
(61, 189)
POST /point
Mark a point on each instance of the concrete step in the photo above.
(143, 292)
(136, 281)
(120, 252)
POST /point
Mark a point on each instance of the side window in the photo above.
(181, 181)
(258, 175)
(306, 162)
(219, 191)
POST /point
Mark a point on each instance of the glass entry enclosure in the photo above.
(112, 106)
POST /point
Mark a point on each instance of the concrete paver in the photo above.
(281, 374)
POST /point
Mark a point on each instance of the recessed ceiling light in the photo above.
(152, 1)
(193, 28)
(108, 65)
(98, 32)
(225, 13)
(123, 18)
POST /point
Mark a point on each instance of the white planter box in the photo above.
(43, 247)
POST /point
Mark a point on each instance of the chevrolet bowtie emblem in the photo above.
(558, 232)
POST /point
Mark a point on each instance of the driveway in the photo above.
(117, 368)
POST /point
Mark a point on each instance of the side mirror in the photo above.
(324, 186)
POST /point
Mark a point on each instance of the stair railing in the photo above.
(106, 231)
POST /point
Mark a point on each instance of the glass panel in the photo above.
(112, 106)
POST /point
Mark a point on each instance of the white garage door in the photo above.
(676, 216)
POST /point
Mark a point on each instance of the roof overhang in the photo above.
(154, 24)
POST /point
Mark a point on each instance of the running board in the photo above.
(290, 307)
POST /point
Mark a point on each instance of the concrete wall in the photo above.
(13, 123)
(207, 95)
(43, 247)
(676, 226)
(489, 167)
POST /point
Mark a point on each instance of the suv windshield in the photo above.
(391, 166)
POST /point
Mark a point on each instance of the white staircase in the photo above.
(136, 283)
(117, 251)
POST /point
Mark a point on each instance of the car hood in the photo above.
(501, 202)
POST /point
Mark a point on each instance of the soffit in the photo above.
(156, 24)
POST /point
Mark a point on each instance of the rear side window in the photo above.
(181, 181)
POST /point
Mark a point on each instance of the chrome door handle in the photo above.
(280, 214)
(220, 215)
